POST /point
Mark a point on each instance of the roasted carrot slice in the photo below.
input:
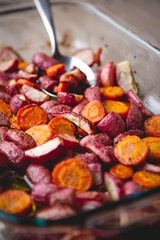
(82, 132)
(56, 70)
(5, 108)
(73, 173)
(22, 65)
(154, 147)
(121, 171)
(15, 202)
(62, 125)
(112, 92)
(131, 150)
(147, 179)
(94, 111)
(116, 106)
(31, 115)
(14, 123)
(62, 87)
(41, 133)
(152, 126)
(21, 82)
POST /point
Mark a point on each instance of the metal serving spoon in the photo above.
(43, 8)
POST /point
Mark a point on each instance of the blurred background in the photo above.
(141, 16)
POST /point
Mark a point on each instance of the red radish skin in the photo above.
(88, 158)
(96, 170)
(14, 154)
(92, 93)
(47, 83)
(3, 79)
(9, 66)
(8, 53)
(131, 188)
(100, 150)
(4, 120)
(28, 76)
(107, 74)
(22, 139)
(17, 102)
(43, 61)
(46, 151)
(133, 98)
(134, 118)
(34, 95)
(114, 186)
(98, 137)
(112, 124)
(55, 212)
(37, 173)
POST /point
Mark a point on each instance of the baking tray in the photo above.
(81, 24)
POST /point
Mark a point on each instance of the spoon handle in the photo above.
(43, 8)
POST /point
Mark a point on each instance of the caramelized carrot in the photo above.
(73, 173)
(41, 133)
(21, 82)
(22, 65)
(94, 111)
(68, 78)
(31, 115)
(121, 171)
(56, 70)
(14, 123)
(131, 150)
(62, 87)
(5, 108)
(154, 147)
(116, 106)
(82, 132)
(152, 126)
(15, 202)
(147, 179)
(62, 125)
(112, 92)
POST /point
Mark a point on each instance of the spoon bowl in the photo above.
(43, 8)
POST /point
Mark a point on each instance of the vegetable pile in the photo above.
(92, 146)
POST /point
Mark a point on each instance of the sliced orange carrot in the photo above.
(41, 133)
(82, 132)
(131, 150)
(152, 126)
(94, 111)
(154, 147)
(5, 108)
(31, 115)
(14, 123)
(62, 125)
(112, 92)
(97, 56)
(62, 87)
(121, 171)
(21, 82)
(15, 202)
(147, 179)
(73, 173)
(116, 106)
(56, 70)
(22, 65)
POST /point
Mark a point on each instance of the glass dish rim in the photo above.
(79, 218)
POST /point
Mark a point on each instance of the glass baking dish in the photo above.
(82, 24)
